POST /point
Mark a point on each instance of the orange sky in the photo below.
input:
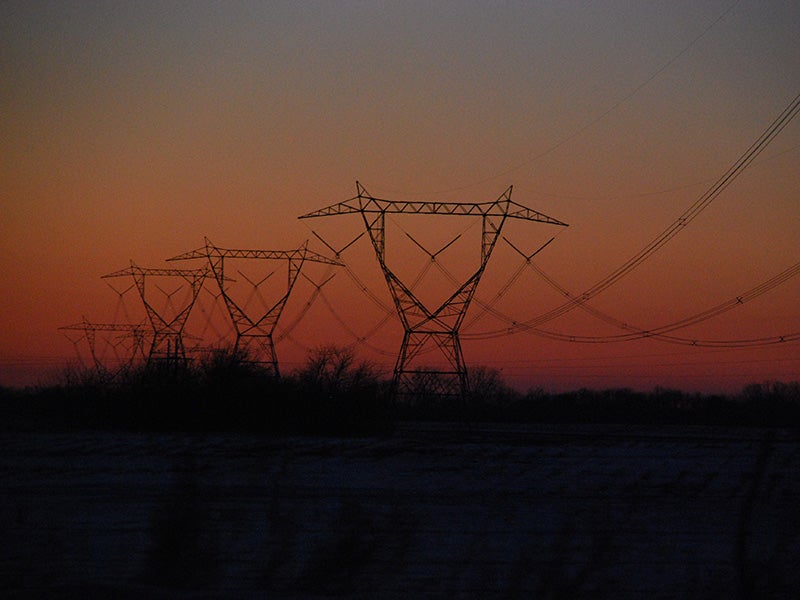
(132, 133)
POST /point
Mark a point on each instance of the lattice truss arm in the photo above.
(364, 203)
(439, 326)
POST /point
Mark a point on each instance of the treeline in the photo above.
(226, 391)
(336, 394)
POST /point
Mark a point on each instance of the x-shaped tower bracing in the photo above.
(135, 333)
(423, 327)
(254, 333)
(167, 329)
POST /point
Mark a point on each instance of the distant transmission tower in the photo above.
(438, 328)
(254, 333)
(167, 344)
(135, 335)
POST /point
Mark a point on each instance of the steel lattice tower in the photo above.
(167, 342)
(254, 334)
(439, 327)
(136, 333)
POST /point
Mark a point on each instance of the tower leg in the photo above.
(414, 380)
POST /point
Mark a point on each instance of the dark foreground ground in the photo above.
(541, 511)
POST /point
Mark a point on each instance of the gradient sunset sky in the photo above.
(133, 130)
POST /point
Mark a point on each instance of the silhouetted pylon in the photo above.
(423, 327)
(136, 334)
(254, 333)
(167, 344)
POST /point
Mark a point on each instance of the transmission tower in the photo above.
(167, 329)
(254, 333)
(438, 328)
(135, 334)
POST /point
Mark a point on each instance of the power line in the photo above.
(556, 145)
(670, 232)
(635, 332)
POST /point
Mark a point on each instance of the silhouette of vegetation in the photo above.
(333, 388)
(334, 393)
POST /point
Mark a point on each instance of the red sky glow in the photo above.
(132, 132)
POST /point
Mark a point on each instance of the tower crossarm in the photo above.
(199, 253)
(513, 210)
(211, 251)
(114, 327)
(136, 271)
(366, 203)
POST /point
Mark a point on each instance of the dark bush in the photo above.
(337, 393)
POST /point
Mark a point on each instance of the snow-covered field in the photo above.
(437, 510)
